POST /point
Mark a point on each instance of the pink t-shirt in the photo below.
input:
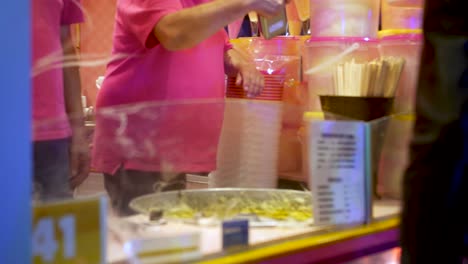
(159, 110)
(49, 115)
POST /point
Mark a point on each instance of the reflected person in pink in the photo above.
(150, 131)
(60, 150)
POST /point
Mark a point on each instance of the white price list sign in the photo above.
(338, 171)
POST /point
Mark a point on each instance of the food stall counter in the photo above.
(311, 244)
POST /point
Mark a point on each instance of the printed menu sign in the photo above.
(338, 170)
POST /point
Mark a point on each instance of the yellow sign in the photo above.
(72, 231)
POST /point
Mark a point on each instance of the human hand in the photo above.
(251, 79)
(268, 8)
(79, 158)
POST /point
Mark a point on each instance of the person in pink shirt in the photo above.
(61, 158)
(160, 108)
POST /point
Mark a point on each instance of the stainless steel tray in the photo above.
(287, 206)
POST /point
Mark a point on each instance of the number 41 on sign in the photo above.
(71, 231)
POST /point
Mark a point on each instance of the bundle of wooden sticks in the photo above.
(377, 78)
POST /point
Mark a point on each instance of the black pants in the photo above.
(51, 174)
(126, 185)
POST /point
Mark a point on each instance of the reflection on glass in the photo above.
(56, 94)
(245, 143)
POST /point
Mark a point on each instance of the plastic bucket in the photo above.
(356, 18)
(321, 55)
(408, 45)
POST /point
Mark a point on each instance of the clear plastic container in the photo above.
(352, 18)
(289, 155)
(281, 53)
(281, 45)
(407, 44)
(321, 55)
(399, 15)
(394, 158)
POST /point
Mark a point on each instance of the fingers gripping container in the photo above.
(277, 59)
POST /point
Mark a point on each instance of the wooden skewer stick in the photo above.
(379, 77)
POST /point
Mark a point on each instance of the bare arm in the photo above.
(188, 27)
(234, 60)
(79, 150)
(240, 65)
(72, 83)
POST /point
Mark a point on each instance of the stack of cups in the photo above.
(248, 149)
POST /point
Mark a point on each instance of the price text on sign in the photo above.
(69, 232)
(337, 165)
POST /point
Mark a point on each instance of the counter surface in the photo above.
(211, 240)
